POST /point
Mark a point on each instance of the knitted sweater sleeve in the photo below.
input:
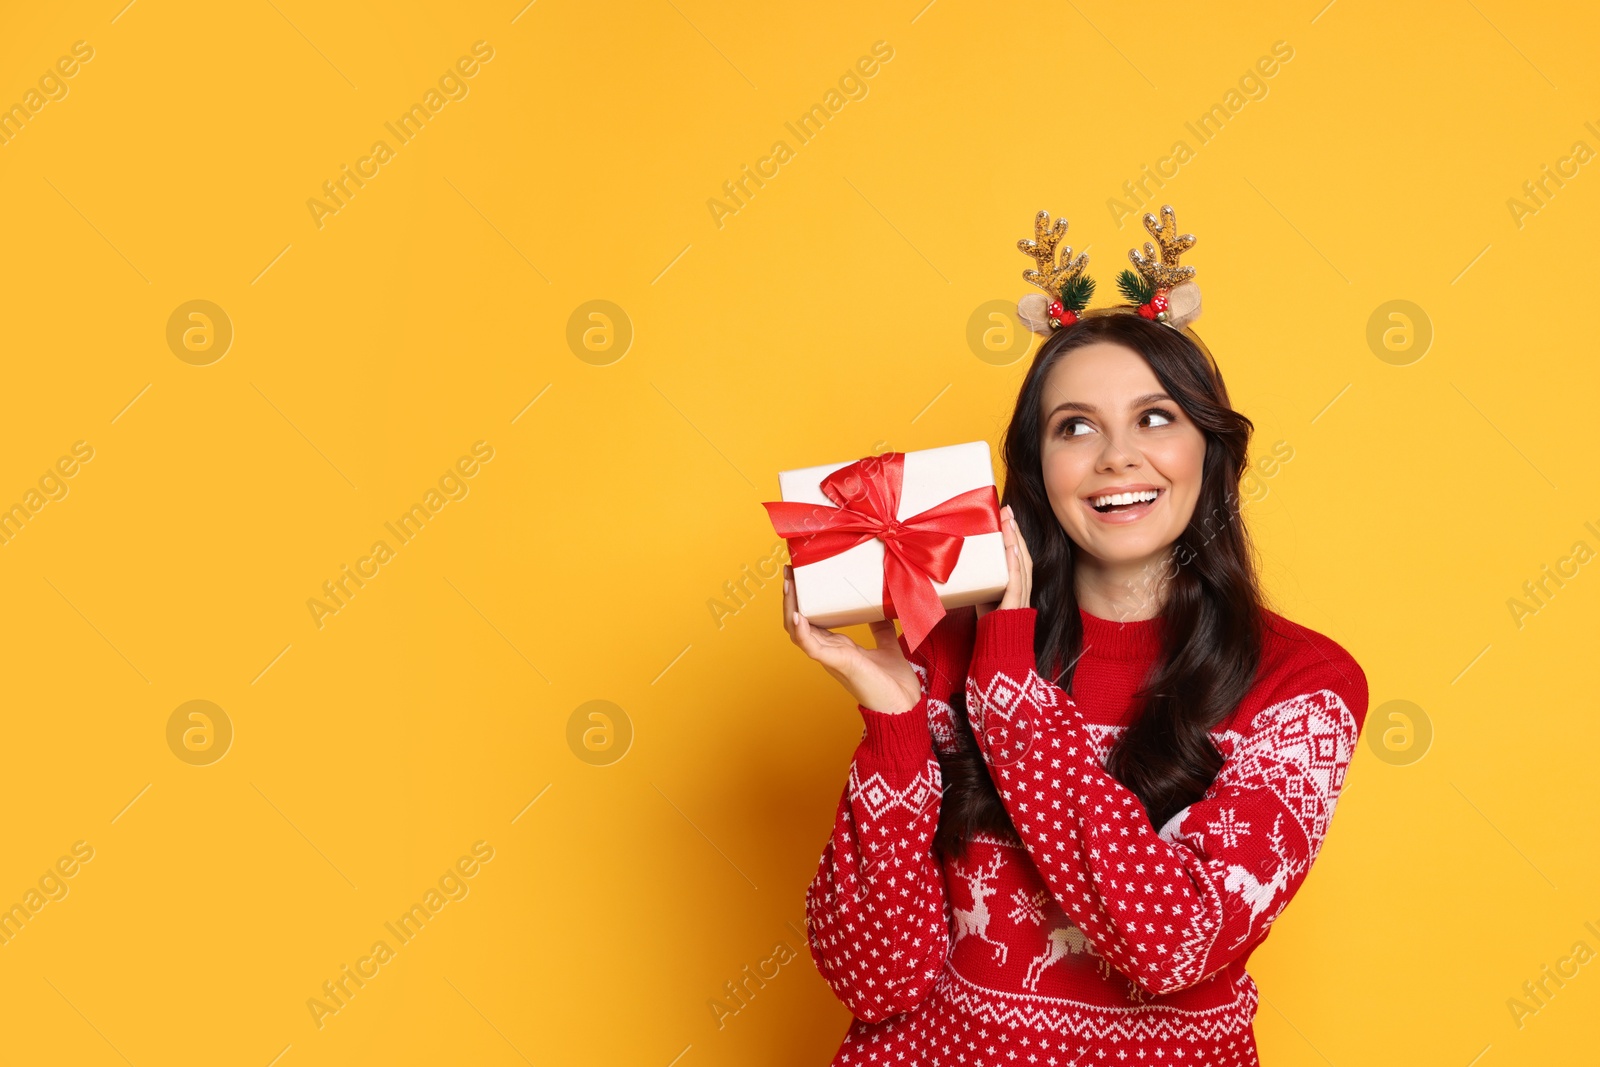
(1167, 908)
(876, 912)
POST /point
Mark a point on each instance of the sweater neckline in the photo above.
(1136, 641)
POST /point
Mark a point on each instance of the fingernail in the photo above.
(786, 585)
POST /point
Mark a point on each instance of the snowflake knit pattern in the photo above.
(1092, 938)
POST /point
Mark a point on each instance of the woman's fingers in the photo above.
(805, 635)
(788, 601)
(883, 634)
(1027, 564)
(1014, 577)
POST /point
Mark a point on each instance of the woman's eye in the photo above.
(1070, 427)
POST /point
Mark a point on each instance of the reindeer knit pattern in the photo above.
(1091, 937)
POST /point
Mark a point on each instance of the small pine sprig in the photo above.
(1076, 292)
(1134, 288)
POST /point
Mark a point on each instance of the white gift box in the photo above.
(848, 588)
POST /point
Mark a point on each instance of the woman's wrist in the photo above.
(898, 736)
(1005, 633)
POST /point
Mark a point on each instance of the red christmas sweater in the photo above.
(1092, 938)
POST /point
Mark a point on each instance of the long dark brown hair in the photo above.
(1212, 604)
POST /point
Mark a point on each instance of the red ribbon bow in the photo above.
(918, 551)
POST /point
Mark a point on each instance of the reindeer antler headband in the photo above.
(1161, 291)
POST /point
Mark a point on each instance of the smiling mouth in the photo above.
(1138, 501)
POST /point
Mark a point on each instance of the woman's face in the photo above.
(1109, 427)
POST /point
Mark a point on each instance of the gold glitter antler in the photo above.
(1050, 276)
(1166, 273)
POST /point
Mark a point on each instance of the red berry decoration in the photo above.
(1146, 311)
(1068, 318)
(1056, 310)
(1159, 301)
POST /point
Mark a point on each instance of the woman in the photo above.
(1072, 866)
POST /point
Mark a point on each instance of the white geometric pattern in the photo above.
(877, 796)
(1301, 748)
(1109, 943)
(1006, 713)
(1057, 1015)
(1167, 927)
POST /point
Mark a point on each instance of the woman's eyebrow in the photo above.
(1076, 405)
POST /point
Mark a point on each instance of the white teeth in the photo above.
(1124, 498)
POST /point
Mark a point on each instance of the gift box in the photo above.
(903, 535)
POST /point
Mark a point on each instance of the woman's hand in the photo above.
(1019, 567)
(878, 678)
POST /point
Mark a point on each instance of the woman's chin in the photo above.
(1121, 546)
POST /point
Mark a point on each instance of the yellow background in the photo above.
(826, 319)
